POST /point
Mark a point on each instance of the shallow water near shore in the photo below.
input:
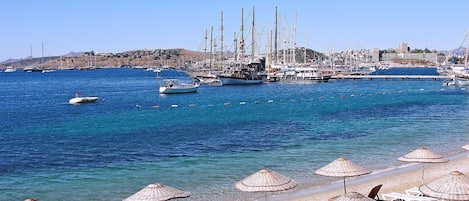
(110, 149)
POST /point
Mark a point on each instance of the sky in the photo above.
(63, 26)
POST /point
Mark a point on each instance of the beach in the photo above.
(397, 179)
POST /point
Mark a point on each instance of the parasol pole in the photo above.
(423, 169)
(345, 190)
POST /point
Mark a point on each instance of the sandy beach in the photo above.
(394, 180)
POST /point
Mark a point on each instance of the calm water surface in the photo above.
(110, 149)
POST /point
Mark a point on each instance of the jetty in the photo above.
(402, 77)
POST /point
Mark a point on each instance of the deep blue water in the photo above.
(110, 149)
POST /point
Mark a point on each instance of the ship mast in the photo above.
(221, 39)
(211, 47)
(205, 48)
(294, 39)
(241, 42)
(276, 33)
(253, 36)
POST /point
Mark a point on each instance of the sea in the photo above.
(205, 142)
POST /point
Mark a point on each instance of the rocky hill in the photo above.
(85, 60)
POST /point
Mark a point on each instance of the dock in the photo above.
(402, 77)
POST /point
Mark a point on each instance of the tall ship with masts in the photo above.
(242, 71)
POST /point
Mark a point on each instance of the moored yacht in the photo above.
(173, 86)
(311, 73)
(252, 73)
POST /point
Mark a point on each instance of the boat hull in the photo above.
(79, 100)
(462, 81)
(179, 89)
(166, 90)
(238, 81)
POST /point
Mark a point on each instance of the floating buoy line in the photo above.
(300, 99)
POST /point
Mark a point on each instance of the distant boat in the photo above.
(30, 69)
(10, 70)
(311, 73)
(173, 86)
(461, 74)
(462, 80)
(249, 74)
(48, 70)
(82, 99)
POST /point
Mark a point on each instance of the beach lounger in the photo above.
(405, 197)
(413, 191)
(374, 192)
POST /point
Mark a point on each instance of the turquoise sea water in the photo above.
(110, 149)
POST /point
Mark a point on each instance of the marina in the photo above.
(433, 77)
(234, 101)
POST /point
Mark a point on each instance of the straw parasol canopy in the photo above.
(454, 186)
(265, 180)
(157, 192)
(423, 155)
(353, 196)
(342, 167)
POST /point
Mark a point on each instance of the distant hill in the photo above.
(83, 60)
(8, 61)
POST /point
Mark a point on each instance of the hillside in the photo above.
(145, 58)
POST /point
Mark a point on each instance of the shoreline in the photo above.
(396, 179)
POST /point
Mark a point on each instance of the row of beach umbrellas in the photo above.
(454, 186)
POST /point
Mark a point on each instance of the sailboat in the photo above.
(461, 76)
(244, 73)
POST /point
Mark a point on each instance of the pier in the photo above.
(402, 77)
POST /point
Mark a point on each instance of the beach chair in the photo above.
(413, 191)
(405, 197)
(374, 192)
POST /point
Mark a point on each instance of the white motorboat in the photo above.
(82, 99)
(10, 70)
(462, 80)
(173, 86)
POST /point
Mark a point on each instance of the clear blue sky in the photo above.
(329, 25)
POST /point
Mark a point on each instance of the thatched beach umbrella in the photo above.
(423, 155)
(265, 180)
(454, 186)
(157, 192)
(353, 196)
(342, 167)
